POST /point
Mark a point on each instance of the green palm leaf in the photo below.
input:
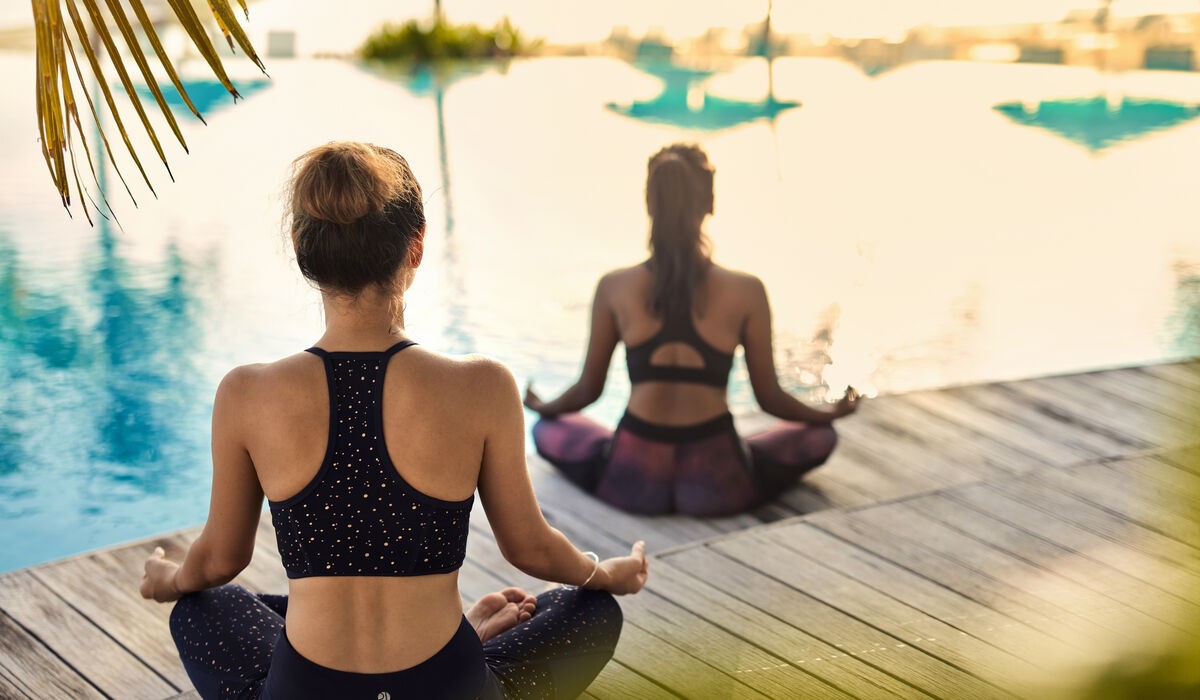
(59, 124)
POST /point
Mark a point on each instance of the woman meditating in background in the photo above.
(369, 450)
(681, 316)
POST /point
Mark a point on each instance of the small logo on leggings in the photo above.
(385, 695)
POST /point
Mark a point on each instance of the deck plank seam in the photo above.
(648, 679)
(1064, 547)
(35, 573)
(1054, 410)
(948, 621)
(942, 585)
(642, 628)
(1061, 613)
(1114, 603)
(804, 517)
(776, 655)
(814, 634)
(1123, 516)
(36, 638)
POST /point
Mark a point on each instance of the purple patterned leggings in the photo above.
(701, 470)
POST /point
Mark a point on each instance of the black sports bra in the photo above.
(678, 329)
(358, 516)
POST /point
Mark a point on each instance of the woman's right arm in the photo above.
(526, 540)
(602, 341)
(760, 361)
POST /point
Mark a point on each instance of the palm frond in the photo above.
(111, 38)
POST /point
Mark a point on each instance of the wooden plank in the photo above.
(765, 581)
(900, 453)
(846, 479)
(74, 639)
(1103, 522)
(103, 588)
(1047, 419)
(725, 653)
(9, 690)
(1137, 501)
(951, 445)
(618, 682)
(1150, 392)
(1181, 374)
(675, 669)
(1054, 525)
(1047, 589)
(1184, 457)
(850, 673)
(983, 575)
(1039, 448)
(29, 669)
(956, 628)
(875, 471)
(1134, 604)
(1117, 418)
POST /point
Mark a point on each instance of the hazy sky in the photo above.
(341, 25)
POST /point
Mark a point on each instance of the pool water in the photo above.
(936, 224)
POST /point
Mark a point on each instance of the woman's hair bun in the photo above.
(356, 209)
(343, 182)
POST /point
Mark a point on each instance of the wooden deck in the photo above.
(970, 542)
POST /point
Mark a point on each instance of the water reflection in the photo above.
(684, 103)
(1096, 123)
(145, 340)
(434, 81)
(207, 95)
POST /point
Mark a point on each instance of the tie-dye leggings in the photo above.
(702, 470)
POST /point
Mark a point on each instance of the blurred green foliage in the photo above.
(414, 41)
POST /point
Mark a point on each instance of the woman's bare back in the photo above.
(725, 302)
(434, 428)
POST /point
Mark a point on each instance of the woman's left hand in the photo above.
(158, 581)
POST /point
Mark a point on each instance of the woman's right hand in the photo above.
(625, 575)
(532, 401)
(848, 404)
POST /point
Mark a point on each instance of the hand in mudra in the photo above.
(158, 579)
(848, 403)
(627, 574)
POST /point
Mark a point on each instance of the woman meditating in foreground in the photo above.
(369, 450)
(681, 316)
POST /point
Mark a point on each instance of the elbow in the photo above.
(769, 401)
(530, 559)
(592, 394)
(590, 391)
(221, 569)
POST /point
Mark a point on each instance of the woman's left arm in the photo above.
(601, 343)
(226, 544)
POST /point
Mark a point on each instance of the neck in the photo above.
(370, 321)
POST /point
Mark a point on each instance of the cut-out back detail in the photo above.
(678, 329)
(358, 516)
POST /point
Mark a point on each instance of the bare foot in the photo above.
(496, 612)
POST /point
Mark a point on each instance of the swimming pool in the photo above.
(915, 229)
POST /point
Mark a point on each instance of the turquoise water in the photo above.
(936, 224)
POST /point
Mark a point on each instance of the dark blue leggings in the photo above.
(232, 645)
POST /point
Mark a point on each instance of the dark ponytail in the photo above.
(679, 194)
(356, 211)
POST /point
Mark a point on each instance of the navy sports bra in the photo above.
(358, 516)
(678, 329)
